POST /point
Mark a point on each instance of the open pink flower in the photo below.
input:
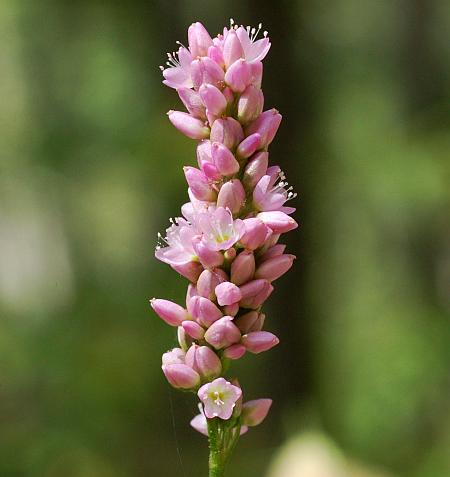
(178, 72)
(272, 191)
(177, 246)
(219, 398)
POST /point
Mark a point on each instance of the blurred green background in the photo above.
(90, 170)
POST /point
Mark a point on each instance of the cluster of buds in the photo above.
(226, 242)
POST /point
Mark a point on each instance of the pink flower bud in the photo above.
(213, 99)
(259, 341)
(250, 104)
(184, 340)
(199, 40)
(215, 53)
(254, 412)
(248, 146)
(188, 125)
(231, 310)
(255, 169)
(231, 196)
(279, 222)
(230, 254)
(251, 321)
(227, 131)
(204, 152)
(203, 360)
(208, 258)
(203, 310)
(232, 48)
(189, 270)
(181, 376)
(191, 99)
(208, 280)
(210, 170)
(266, 125)
(273, 251)
(227, 293)
(256, 73)
(235, 351)
(172, 313)
(205, 70)
(275, 267)
(223, 333)
(175, 356)
(243, 267)
(193, 329)
(199, 184)
(238, 76)
(224, 159)
(190, 293)
(255, 293)
(256, 233)
(229, 95)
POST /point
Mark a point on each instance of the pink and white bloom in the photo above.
(178, 73)
(176, 247)
(219, 398)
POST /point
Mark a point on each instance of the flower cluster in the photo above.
(226, 242)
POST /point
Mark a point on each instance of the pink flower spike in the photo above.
(227, 131)
(191, 127)
(193, 329)
(223, 333)
(224, 159)
(219, 398)
(254, 412)
(255, 168)
(203, 310)
(238, 76)
(277, 221)
(175, 356)
(248, 146)
(172, 313)
(235, 351)
(227, 293)
(259, 341)
(243, 267)
(204, 361)
(275, 267)
(214, 101)
(199, 40)
(191, 99)
(231, 196)
(199, 184)
(250, 104)
(181, 376)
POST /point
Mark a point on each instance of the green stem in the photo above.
(216, 451)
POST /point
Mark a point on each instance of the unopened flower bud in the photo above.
(181, 376)
(184, 340)
(210, 170)
(208, 258)
(203, 310)
(275, 267)
(208, 280)
(204, 152)
(193, 329)
(199, 40)
(254, 412)
(224, 159)
(259, 341)
(174, 356)
(189, 270)
(191, 99)
(273, 251)
(238, 76)
(204, 361)
(277, 221)
(231, 196)
(205, 70)
(255, 169)
(230, 254)
(256, 73)
(250, 104)
(215, 53)
(256, 233)
(172, 313)
(255, 293)
(213, 99)
(223, 333)
(251, 321)
(248, 146)
(232, 49)
(188, 125)
(266, 125)
(243, 267)
(235, 351)
(227, 293)
(199, 184)
(231, 310)
(227, 131)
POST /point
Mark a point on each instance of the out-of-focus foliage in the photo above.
(90, 170)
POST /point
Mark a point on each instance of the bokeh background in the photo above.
(90, 170)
